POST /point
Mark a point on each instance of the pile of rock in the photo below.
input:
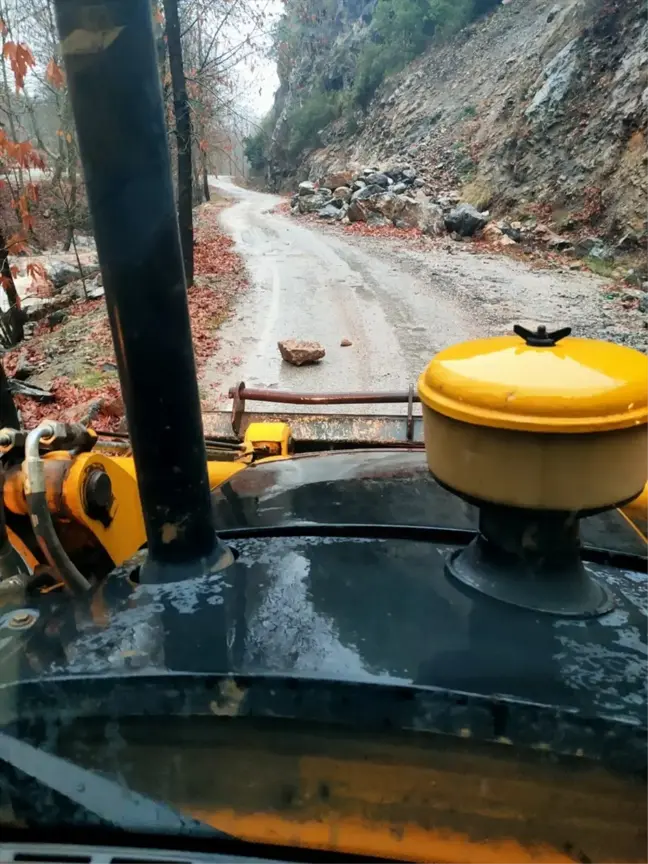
(394, 196)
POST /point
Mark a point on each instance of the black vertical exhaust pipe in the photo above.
(110, 60)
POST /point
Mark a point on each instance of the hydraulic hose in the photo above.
(40, 517)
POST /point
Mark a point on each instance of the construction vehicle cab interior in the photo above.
(415, 636)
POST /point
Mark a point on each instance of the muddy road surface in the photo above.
(397, 304)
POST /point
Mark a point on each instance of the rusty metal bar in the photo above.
(240, 394)
(287, 397)
(328, 431)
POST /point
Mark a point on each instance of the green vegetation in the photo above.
(601, 268)
(305, 123)
(468, 112)
(399, 31)
(89, 379)
(403, 29)
(254, 147)
(464, 163)
(479, 193)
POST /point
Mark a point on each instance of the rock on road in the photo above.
(397, 305)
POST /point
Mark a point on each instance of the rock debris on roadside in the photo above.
(299, 352)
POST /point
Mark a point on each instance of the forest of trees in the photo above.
(200, 45)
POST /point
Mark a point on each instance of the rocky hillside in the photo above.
(534, 107)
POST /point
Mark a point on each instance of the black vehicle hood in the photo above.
(375, 609)
(369, 487)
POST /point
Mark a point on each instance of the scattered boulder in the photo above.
(505, 240)
(331, 211)
(492, 233)
(367, 192)
(84, 241)
(378, 179)
(93, 289)
(358, 211)
(306, 188)
(634, 276)
(421, 214)
(418, 183)
(399, 173)
(36, 308)
(448, 200)
(513, 231)
(558, 243)
(23, 367)
(87, 411)
(346, 343)
(342, 192)
(387, 204)
(376, 220)
(465, 220)
(311, 203)
(601, 252)
(628, 242)
(340, 178)
(584, 246)
(57, 317)
(643, 304)
(62, 272)
(357, 185)
(399, 188)
(299, 352)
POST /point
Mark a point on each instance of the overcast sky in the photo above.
(258, 79)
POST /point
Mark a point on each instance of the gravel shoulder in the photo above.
(397, 301)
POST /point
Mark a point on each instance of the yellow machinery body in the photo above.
(123, 534)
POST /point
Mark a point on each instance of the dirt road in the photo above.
(397, 304)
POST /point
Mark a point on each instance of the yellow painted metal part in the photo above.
(636, 512)
(30, 560)
(274, 437)
(393, 795)
(124, 532)
(357, 836)
(579, 385)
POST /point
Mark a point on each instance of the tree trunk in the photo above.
(197, 179)
(59, 164)
(15, 312)
(71, 202)
(8, 410)
(205, 177)
(202, 152)
(183, 135)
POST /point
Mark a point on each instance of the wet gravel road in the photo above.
(398, 304)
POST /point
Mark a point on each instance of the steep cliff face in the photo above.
(538, 105)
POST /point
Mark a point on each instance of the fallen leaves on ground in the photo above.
(283, 209)
(85, 337)
(367, 230)
(69, 396)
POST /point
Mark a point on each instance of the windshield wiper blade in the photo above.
(97, 798)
